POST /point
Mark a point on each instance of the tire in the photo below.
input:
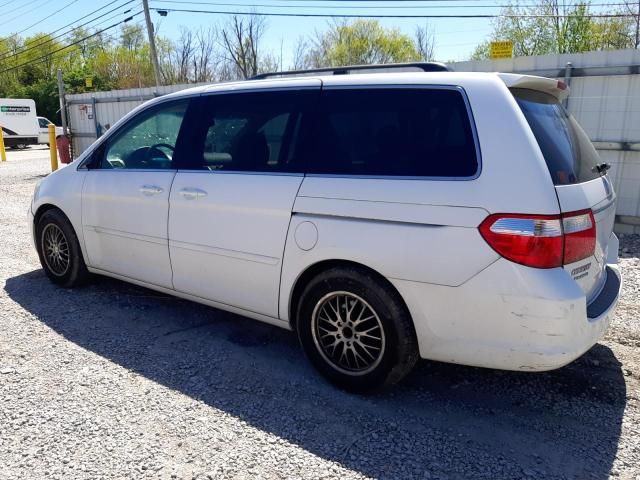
(59, 250)
(21, 146)
(388, 337)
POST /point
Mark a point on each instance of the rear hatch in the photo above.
(578, 173)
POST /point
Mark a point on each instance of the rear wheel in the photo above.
(356, 330)
(59, 250)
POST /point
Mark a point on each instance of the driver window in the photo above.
(148, 142)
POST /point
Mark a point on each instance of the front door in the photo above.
(231, 206)
(125, 197)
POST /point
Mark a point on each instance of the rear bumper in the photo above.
(510, 317)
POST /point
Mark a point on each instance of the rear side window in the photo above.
(250, 132)
(394, 132)
(570, 155)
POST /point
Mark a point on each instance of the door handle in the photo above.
(192, 193)
(150, 190)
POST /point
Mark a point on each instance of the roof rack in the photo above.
(420, 66)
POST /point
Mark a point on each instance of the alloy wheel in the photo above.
(348, 333)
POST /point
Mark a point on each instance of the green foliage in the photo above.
(361, 42)
(28, 66)
(557, 28)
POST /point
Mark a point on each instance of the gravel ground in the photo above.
(115, 381)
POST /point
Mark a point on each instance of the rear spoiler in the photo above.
(557, 88)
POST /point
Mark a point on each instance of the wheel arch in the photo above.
(45, 207)
(315, 269)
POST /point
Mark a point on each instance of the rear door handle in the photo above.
(192, 193)
(149, 190)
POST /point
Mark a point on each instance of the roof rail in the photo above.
(420, 66)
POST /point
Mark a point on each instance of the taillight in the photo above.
(579, 230)
(541, 241)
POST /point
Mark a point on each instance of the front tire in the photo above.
(356, 330)
(59, 250)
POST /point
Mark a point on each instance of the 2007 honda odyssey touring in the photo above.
(382, 216)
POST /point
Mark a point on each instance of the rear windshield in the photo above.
(570, 156)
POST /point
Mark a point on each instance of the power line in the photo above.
(9, 20)
(348, 15)
(45, 18)
(7, 53)
(50, 54)
(7, 3)
(396, 7)
(62, 35)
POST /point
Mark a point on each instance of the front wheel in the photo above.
(59, 250)
(356, 330)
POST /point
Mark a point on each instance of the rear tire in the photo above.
(59, 250)
(356, 330)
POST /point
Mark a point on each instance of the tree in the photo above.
(556, 27)
(240, 39)
(205, 59)
(176, 68)
(425, 42)
(360, 42)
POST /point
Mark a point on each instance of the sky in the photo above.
(455, 38)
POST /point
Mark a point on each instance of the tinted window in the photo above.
(148, 141)
(397, 132)
(44, 123)
(250, 132)
(570, 156)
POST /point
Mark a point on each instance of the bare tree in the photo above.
(240, 38)
(205, 58)
(181, 57)
(632, 7)
(425, 40)
(301, 55)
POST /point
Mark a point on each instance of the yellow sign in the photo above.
(88, 82)
(501, 50)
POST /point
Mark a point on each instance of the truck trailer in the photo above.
(19, 122)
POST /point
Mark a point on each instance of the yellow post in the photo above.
(53, 150)
(3, 153)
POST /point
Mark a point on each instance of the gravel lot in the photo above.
(116, 381)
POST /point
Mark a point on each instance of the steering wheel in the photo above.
(156, 149)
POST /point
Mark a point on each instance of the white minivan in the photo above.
(383, 216)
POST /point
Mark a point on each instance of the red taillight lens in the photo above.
(541, 241)
(532, 240)
(579, 230)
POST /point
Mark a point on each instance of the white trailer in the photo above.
(19, 122)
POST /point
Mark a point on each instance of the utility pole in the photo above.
(638, 26)
(63, 103)
(152, 42)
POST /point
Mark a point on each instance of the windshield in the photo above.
(570, 155)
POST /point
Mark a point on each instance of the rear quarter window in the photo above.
(405, 132)
(567, 150)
